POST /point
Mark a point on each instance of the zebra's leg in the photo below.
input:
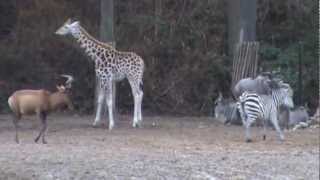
(264, 129)
(101, 97)
(248, 136)
(275, 123)
(245, 124)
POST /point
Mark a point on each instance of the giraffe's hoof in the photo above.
(281, 138)
(248, 140)
(137, 125)
(111, 127)
(44, 142)
(95, 124)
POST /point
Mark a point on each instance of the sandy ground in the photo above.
(165, 148)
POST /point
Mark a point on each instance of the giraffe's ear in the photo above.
(76, 23)
(68, 21)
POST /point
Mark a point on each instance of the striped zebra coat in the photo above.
(226, 111)
(265, 107)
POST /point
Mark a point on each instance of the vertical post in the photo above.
(106, 21)
(107, 35)
(300, 76)
(241, 22)
(241, 36)
(158, 12)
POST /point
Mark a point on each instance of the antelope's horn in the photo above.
(69, 81)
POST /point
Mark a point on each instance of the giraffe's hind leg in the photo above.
(135, 122)
(140, 97)
(137, 95)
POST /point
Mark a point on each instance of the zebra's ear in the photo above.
(284, 85)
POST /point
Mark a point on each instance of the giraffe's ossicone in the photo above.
(110, 65)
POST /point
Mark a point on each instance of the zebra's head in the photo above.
(219, 109)
(286, 94)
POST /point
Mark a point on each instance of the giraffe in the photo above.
(110, 66)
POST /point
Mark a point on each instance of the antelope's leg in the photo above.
(16, 126)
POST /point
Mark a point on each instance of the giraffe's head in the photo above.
(68, 27)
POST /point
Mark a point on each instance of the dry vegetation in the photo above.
(186, 61)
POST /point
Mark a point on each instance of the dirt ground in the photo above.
(165, 148)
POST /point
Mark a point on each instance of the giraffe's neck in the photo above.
(92, 46)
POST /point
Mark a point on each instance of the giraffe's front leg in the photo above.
(101, 97)
(110, 106)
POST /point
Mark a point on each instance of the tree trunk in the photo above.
(241, 22)
(158, 12)
(241, 38)
(107, 35)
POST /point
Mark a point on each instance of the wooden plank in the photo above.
(245, 61)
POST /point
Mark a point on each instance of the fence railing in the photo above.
(245, 61)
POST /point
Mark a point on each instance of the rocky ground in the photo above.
(165, 148)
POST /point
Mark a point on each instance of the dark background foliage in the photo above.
(186, 60)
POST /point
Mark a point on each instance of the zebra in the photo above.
(265, 107)
(226, 111)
